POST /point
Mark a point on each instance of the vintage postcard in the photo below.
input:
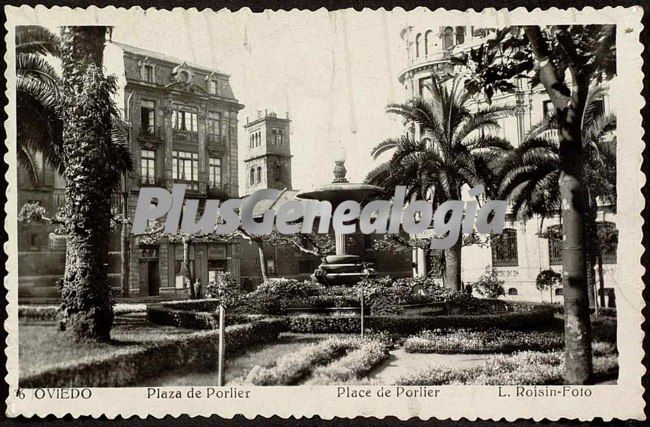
(431, 214)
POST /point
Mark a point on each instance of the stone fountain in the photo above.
(342, 268)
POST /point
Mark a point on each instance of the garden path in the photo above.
(401, 363)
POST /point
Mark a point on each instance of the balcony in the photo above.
(218, 191)
(192, 186)
(216, 139)
(185, 136)
(216, 143)
(151, 181)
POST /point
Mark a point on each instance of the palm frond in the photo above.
(24, 159)
(33, 39)
(36, 67)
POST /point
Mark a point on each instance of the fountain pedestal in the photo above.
(341, 269)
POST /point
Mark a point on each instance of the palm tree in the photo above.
(39, 128)
(456, 150)
(530, 174)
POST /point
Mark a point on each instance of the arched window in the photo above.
(252, 177)
(429, 43)
(427, 142)
(274, 137)
(513, 291)
(259, 174)
(418, 42)
(252, 140)
(259, 139)
(33, 240)
(448, 38)
(460, 35)
(280, 137)
(504, 248)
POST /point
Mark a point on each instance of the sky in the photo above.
(291, 62)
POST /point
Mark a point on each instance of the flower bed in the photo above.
(291, 368)
(522, 368)
(134, 364)
(352, 366)
(487, 341)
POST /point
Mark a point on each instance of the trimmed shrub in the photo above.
(131, 366)
(38, 312)
(352, 366)
(292, 367)
(523, 368)
(488, 341)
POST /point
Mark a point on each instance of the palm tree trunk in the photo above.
(577, 324)
(452, 279)
(86, 302)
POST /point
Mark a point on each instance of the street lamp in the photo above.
(366, 274)
(222, 324)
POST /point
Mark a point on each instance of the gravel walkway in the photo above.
(400, 363)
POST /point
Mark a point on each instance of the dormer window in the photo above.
(148, 73)
(213, 87)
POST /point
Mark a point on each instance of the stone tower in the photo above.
(268, 157)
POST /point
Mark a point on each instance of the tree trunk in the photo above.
(577, 325)
(263, 266)
(591, 282)
(591, 237)
(601, 277)
(187, 273)
(125, 242)
(86, 302)
(452, 279)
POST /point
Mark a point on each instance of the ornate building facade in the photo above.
(182, 128)
(519, 254)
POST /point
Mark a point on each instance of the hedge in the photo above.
(196, 351)
(160, 314)
(209, 304)
(485, 341)
(49, 312)
(407, 325)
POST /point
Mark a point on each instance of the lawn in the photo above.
(42, 345)
(238, 367)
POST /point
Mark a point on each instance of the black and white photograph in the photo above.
(379, 208)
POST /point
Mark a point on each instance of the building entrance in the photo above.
(149, 278)
(215, 265)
